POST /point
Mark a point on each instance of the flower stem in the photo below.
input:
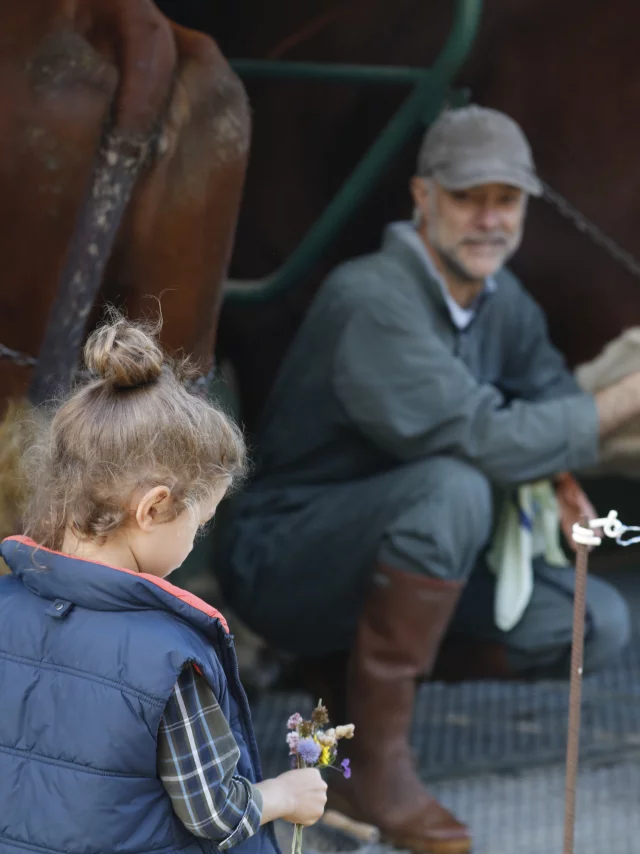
(296, 845)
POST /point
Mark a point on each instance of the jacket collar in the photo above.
(99, 587)
(402, 242)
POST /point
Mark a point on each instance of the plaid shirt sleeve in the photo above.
(197, 761)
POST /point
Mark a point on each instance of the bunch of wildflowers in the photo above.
(313, 744)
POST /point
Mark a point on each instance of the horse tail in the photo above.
(146, 56)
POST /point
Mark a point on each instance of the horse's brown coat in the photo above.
(68, 70)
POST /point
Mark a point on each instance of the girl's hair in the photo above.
(134, 425)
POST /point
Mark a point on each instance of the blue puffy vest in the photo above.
(89, 656)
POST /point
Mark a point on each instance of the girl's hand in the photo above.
(297, 796)
(309, 792)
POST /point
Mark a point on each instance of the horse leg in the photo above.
(177, 236)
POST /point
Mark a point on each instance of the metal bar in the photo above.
(328, 72)
(421, 107)
(575, 693)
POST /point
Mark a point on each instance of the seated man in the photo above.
(421, 380)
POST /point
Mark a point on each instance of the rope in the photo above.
(611, 527)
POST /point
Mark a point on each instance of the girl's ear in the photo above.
(153, 507)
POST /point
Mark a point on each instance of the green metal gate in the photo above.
(432, 91)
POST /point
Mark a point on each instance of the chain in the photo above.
(197, 385)
(567, 210)
(24, 360)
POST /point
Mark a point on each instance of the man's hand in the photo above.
(573, 505)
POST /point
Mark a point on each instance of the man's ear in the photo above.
(152, 507)
(420, 193)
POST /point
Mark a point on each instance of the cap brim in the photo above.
(467, 177)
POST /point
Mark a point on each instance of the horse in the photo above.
(124, 140)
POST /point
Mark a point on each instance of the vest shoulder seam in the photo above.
(84, 674)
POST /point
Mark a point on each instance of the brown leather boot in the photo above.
(466, 659)
(399, 633)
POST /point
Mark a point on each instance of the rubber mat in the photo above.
(481, 727)
(493, 753)
(522, 813)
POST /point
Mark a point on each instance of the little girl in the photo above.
(123, 723)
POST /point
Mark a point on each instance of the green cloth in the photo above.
(528, 527)
(378, 374)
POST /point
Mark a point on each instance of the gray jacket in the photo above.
(379, 374)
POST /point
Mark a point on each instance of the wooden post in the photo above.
(575, 693)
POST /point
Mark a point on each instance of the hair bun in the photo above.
(124, 354)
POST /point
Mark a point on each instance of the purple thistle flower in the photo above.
(294, 721)
(309, 751)
(346, 768)
(293, 739)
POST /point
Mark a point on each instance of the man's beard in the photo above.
(456, 267)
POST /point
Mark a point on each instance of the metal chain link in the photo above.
(567, 210)
(23, 360)
(196, 385)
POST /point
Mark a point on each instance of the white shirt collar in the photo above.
(461, 317)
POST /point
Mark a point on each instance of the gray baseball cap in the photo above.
(475, 145)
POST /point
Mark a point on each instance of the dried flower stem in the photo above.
(296, 842)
